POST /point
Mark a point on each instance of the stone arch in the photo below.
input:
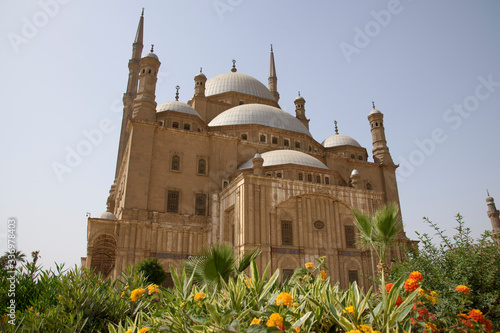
(103, 254)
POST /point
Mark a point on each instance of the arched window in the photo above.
(202, 167)
(297, 144)
(318, 179)
(275, 140)
(286, 233)
(175, 125)
(368, 186)
(286, 143)
(353, 156)
(360, 157)
(309, 178)
(262, 138)
(278, 175)
(244, 137)
(176, 163)
(301, 176)
(187, 127)
(327, 180)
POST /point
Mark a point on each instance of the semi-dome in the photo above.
(286, 156)
(339, 140)
(107, 216)
(177, 107)
(238, 82)
(259, 114)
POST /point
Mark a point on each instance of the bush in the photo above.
(152, 270)
(458, 260)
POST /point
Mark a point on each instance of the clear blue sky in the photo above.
(432, 68)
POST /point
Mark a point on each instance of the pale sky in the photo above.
(432, 68)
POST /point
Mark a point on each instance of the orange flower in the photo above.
(431, 327)
(388, 287)
(476, 315)
(199, 296)
(284, 299)
(399, 301)
(462, 289)
(416, 275)
(323, 275)
(136, 293)
(255, 321)
(275, 320)
(411, 285)
(309, 265)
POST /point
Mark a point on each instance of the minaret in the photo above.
(131, 93)
(300, 111)
(493, 214)
(273, 79)
(145, 103)
(380, 150)
(199, 88)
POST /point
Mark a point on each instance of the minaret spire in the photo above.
(494, 216)
(273, 79)
(131, 93)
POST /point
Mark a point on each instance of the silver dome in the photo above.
(339, 140)
(177, 107)
(286, 156)
(259, 114)
(151, 55)
(107, 216)
(239, 82)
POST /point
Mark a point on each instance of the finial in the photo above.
(336, 128)
(177, 92)
(487, 192)
(152, 47)
(373, 104)
(201, 69)
(234, 66)
(142, 14)
(299, 92)
(271, 47)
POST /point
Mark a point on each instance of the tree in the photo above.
(18, 257)
(152, 270)
(217, 262)
(379, 231)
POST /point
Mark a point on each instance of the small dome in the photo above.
(257, 155)
(151, 55)
(238, 82)
(177, 107)
(259, 114)
(286, 156)
(107, 216)
(490, 200)
(339, 140)
(299, 99)
(354, 173)
(374, 111)
(200, 75)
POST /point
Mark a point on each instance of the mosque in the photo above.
(230, 165)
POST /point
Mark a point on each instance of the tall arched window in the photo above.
(327, 180)
(301, 176)
(176, 163)
(318, 179)
(309, 178)
(202, 167)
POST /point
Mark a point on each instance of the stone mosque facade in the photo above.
(231, 166)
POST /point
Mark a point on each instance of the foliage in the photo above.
(458, 260)
(378, 231)
(152, 270)
(216, 263)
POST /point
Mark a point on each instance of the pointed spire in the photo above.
(487, 192)
(336, 128)
(177, 93)
(152, 48)
(234, 67)
(272, 66)
(273, 79)
(373, 104)
(140, 29)
(201, 69)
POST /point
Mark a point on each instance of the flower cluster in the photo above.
(275, 320)
(349, 309)
(309, 265)
(136, 294)
(153, 289)
(477, 317)
(199, 296)
(284, 299)
(462, 289)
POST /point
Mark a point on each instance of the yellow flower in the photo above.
(199, 296)
(248, 282)
(153, 289)
(431, 327)
(60, 296)
(323, 274)
(374, 331)
(37, 313)
(297, 329)
(144, 330)
(309, 265)
(349, 309)
(136, 293)
(275, 320)
(255, 321)
(129, 331)
(284, 299)
(31, 309)
(365, 328)
(123, 294)
(126, 287)
(322, 258)
(354, 331)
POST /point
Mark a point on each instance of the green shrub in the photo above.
(152, 270)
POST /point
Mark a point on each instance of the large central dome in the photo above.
(259, 114)
(238, 82)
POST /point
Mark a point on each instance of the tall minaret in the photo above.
(300, 110)
(380, 150)
(273, 79)
(144, 107)
(131, 93)
(493, 214)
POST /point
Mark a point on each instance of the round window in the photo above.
(319, 225)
